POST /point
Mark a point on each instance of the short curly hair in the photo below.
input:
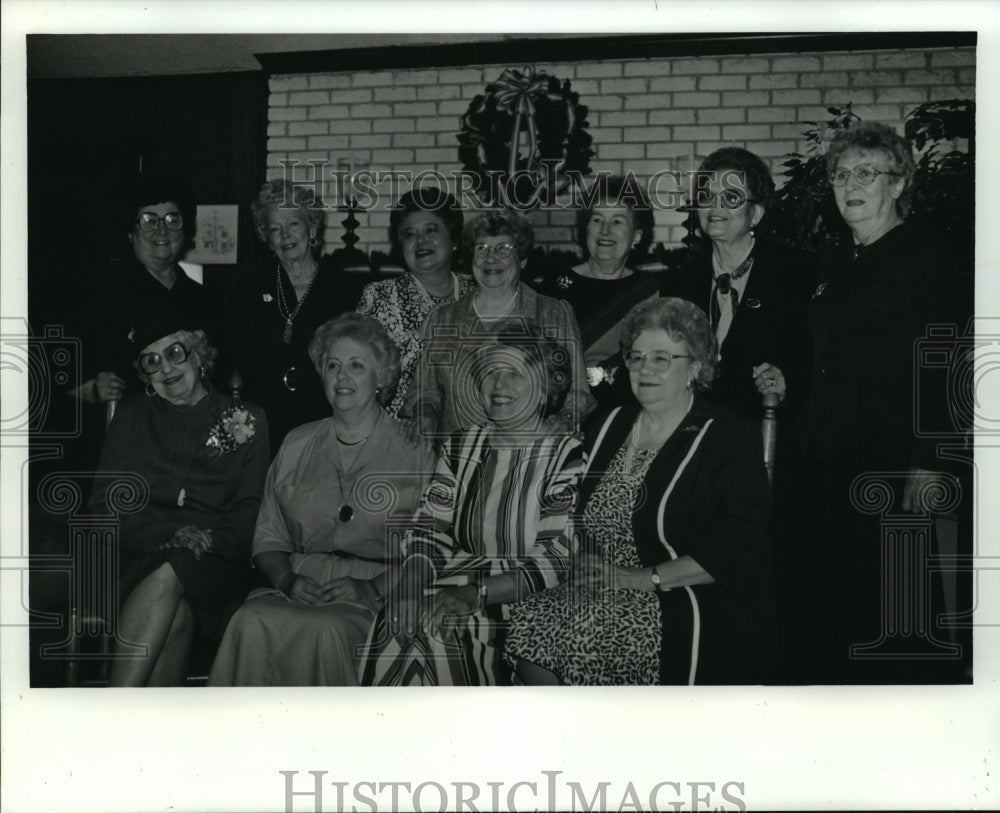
(282, 193)
(151, 188)
(364, 330)
(685, 323)
(754, 174)
(196, 342)
(636, 201)
(871, 136)
(429, 199)
(549, 357)
(496, 223)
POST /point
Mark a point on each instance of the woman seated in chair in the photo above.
(204, 458)
(671, 582)
(491, 527)
(325, 535)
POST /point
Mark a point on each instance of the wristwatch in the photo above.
(655, 578)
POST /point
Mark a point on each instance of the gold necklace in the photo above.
(286, 313)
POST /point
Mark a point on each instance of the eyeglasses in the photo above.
(150, 221)
(176, 354)
(864, 174)
(501, 251)
(659, 362)
(726, 199)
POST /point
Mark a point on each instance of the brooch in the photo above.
(819, 290)
(753, 303)
(268, 298)
(564, 282)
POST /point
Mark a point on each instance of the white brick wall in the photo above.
(645, 115)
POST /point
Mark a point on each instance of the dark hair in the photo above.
(754, 173)
(280, 193)
(685, 323)
(197, 343)
(149, 189)
(635, 200)
(551, 358)
(364, 330)
(495, 223)
(871, 136)
(428, 199)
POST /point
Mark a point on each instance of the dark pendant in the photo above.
(346, 513)
(288, 332)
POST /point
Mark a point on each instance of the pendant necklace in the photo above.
(286, 313)
(346, 513)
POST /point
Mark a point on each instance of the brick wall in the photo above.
(646, 115)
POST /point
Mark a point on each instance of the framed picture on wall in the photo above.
(216, 238)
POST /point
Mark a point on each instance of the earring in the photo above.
(753, 230)
(202, 373)
(690, 383)
(150, 391)
(313, 241)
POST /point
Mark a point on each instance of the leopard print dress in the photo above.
(611, 638)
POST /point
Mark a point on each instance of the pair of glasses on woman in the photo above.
(150, 221)
(176, 354)
(864, 174)
(501, 252)
(658, 361)
(726, 199)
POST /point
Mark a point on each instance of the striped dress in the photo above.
(489, 509)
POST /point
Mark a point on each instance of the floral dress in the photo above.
(610, 638)
(400, 305)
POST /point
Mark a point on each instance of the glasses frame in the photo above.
(644, 359)
(853, 173)
(482, 250)
(160, 219)
(716, 198)
(158, 365)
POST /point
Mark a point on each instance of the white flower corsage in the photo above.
(564, 282)
(268, 298)
(236, 427)
(599, 375)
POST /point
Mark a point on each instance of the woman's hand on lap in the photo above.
(451, 606)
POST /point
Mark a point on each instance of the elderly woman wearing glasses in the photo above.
(160, 222)
(443, 398)
(203, 456)
(875, 300)
(671, 578)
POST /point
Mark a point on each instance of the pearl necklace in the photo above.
(434, 301)
(502, 313)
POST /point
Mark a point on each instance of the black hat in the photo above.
(153, 323)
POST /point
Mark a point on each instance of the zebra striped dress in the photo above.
(490, 508)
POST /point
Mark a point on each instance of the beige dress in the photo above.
(273, 641)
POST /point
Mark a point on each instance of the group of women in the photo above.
(474, 482)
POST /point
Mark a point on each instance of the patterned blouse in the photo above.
(400, 304)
